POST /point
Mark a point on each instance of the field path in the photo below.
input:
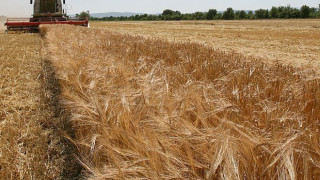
(29, 145)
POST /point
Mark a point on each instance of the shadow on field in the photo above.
(59, 126)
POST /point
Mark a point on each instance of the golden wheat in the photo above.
(293, 42)
(151, 109)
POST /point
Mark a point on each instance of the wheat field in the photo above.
(161, 100)
(147, 108)
(291, 42)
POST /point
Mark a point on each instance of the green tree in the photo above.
(167, 12)
(199, 16)
(242, 14)
(274, 12)
(83, 15)
(305, 11)
(284, 11)
(228, 14)
(295, 13)
(262, 14)
(236, 14)
(250, 15)
(171, 15)
(144, 17)
(212, 13)
(313, 12)
(266, 15)
(219, 15)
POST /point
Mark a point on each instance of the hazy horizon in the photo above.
(18, 8)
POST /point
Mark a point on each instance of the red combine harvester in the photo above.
(45, 12)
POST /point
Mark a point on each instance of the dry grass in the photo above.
(3, 19)
(23, 142)
(31, 143)
(294, 42)
(151, 109)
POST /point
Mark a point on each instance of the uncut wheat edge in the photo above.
(147, 108)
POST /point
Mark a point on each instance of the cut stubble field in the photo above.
(23, 141)
(294, 42)
(32, 144)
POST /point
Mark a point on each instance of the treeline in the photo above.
(285, 12)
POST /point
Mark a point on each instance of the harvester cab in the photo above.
(45, 8)
(44, 12)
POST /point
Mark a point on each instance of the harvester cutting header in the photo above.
(44, 12)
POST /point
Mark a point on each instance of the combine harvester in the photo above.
(44, 12)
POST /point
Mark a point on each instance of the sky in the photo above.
(22, 8)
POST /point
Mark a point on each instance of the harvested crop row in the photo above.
(31, 142)
(146, 108)
(24, 149)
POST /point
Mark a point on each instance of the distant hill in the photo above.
(114, 14)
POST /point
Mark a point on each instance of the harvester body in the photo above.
(44, 12)
(44, 7)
